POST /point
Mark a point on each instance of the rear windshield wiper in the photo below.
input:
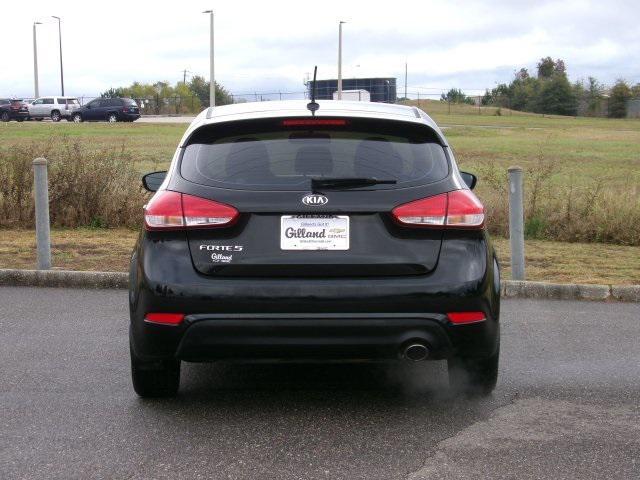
(348, 182)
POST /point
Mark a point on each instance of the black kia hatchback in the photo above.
(345, 235)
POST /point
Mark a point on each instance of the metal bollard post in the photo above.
(516, 223)
(41, 194)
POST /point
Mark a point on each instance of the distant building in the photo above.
(380, 89)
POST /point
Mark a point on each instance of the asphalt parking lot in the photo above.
(566, 405)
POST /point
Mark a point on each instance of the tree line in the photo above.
(550, 91)
(162, 97)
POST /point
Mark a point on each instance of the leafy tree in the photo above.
(593, 94)
(546, 66)
(455, 95)
(113, 93)
(487, 98)
(557, 96)
(200, 87)
(560, 68)
(523, 93)
(522, 74)
(618, 97)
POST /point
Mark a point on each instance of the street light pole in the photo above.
(340, 60)
(60, 42)
(35, 60)
(212, 78)
(405, 80)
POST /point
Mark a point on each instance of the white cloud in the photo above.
(271, 45)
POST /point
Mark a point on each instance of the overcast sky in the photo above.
(270, 45)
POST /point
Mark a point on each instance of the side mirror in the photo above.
(470, 179)
(152, 181)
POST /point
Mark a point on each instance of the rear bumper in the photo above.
(355, 337)
(129, 117)
(344, 337)
(17, 115)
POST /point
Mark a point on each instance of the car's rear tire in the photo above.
(77, 118)
(474, 376)
(112, 118)
(155, 379)
(5, 117)
(20, 119)
(55, 116)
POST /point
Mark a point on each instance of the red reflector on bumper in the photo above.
(164, 318)
(460, 318)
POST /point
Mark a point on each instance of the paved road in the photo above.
(566, 405)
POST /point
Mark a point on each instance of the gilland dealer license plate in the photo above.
(314, 232)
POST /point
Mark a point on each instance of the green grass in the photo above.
(152, 144)
(584, 150)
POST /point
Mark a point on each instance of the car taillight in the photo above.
(200, 212)
(164, 318)
(172, 211)
(457, 209)
(460, 318)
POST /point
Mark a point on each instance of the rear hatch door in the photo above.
(314, 197)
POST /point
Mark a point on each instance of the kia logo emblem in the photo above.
(314, 200)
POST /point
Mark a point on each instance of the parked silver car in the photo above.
(55, 108)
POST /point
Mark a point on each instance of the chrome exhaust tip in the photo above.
(416, 352)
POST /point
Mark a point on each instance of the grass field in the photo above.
(583, 150)
(110, 250)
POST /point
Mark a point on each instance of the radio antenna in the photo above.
(313, 106)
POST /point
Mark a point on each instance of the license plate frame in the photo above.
(315, 232)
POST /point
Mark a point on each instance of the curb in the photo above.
(510, 288)
(63, 278)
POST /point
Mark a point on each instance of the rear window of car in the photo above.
(72, 101)
(130, 101)
(278, 154)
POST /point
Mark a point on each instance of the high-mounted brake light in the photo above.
(164, 318)
(314, 122)
(173, 211)
(460, 318)
(457, 209)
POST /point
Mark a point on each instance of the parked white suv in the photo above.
(55, 108)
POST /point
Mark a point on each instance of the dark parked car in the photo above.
(108, 109)
(13, 109)
(349, 235)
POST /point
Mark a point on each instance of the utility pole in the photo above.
(60, 42)
(212, 77)
(340, 60)
(405, 80)
(35, 60)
